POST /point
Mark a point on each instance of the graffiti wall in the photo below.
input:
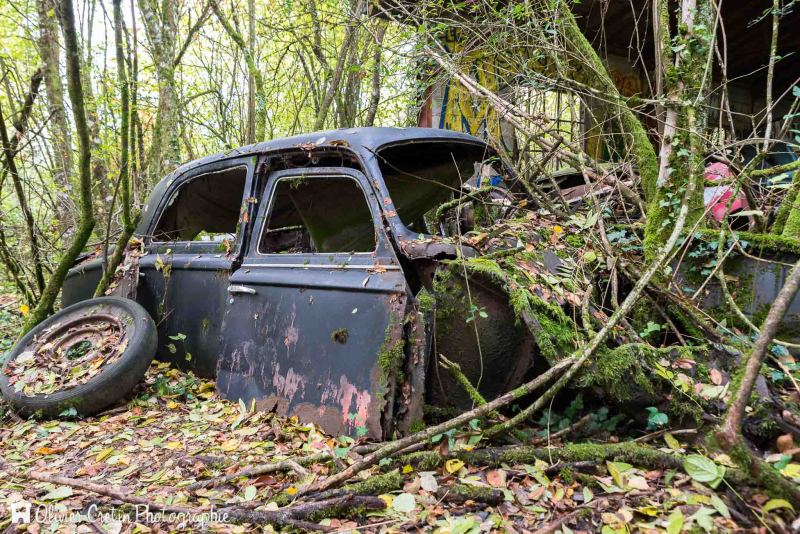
(451, 106)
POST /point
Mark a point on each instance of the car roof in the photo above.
(357, 139)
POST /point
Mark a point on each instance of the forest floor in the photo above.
(175, 430)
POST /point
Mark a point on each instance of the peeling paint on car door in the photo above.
(317, 335)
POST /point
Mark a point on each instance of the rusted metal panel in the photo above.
(310, 343)
(411, 398)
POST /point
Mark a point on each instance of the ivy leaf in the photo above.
(704, 470)
(656, 418)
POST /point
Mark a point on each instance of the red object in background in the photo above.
(717, 171)
(716, 198)
(425, 118)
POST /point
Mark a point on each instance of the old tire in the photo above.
(80, 323)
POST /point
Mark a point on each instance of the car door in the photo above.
(313, 324)
(194, 240)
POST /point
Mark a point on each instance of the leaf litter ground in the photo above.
(177, 431)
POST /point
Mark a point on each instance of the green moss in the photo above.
(759, 315)
(377, 485)
(757, 243)
(764, 426)
(468, 492)
(743, 293)
(340, 335)
(391, 355)
(558, 335)
(616, 371)
(574, 240)
(427, 302)
(416, 426)
(687, 323)
(374, 485)
(626, 374)
(449, 299)
(567, 475)
(630, 452)
(787, 207)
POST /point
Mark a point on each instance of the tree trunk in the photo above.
(60, 132)
(251, 81)
(680, 157)
(338, 71)
(729, 433)
(164, 152)
(375, 96)
(27, 214)
(86, 217)
(252, 69)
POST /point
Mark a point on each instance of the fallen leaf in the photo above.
(428, 482)
(49, 450)
(453, 465)
(404, 503)
(61, 492)
(716, 377)
(775, 504)
(496, 478)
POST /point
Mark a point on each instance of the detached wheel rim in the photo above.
(86, 341)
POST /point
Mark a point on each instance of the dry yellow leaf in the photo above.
(453, 465)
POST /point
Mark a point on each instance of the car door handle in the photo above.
(241, 289)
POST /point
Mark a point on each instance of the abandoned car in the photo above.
(297, 272)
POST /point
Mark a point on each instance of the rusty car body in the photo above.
(292, 271)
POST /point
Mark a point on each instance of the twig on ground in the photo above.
(659, 433)
(283, 465)
(577, 425)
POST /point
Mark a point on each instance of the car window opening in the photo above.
(420, 176)
(318, 214)
(206, 208)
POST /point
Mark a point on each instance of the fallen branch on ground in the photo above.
(395, 446)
